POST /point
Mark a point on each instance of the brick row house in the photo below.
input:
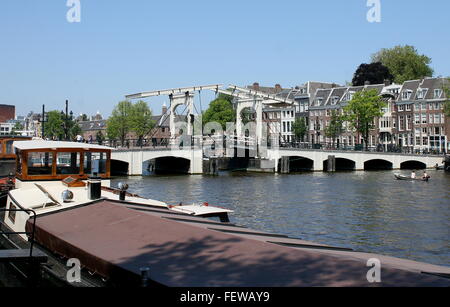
(413, 119)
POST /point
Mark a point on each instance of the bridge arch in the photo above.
(119, 168)
(298, 164)
(378, 164)
(342, 164)
(412, 164)
(167, 165)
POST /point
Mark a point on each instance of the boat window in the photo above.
(12, 213)
(68, 163)
(9, 147)
(19, 163)
(40, 163)
(95, 162)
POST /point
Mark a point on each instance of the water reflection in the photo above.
(366, 211)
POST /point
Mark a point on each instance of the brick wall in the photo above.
(7, 112)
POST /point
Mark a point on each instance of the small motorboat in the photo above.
(408, 178)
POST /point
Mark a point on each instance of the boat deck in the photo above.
(116, 240)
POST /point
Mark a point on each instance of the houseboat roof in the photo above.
(115, 241)
(39, 144)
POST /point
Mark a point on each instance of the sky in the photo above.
(124, 47)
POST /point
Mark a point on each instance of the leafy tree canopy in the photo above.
(404, 62)
(55, 127)
(221, 111)
(141, 121)
(119, 124)
(362, 111)
(335, 128)
(447, 103)
(375, 73)
(300, 128)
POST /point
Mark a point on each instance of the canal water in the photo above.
(365, 211)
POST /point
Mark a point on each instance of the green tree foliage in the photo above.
(17, 127)
(221, 111)
(300, 128)
(447, 103)
(119, 124)
(141, 122)
(335, 128)
(404, 62)
(375, 73)
(55, 127)
(362, 111)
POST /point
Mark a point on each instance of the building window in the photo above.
(421, 94)
(437, 119)
(401, 108)
(406, 95)
(424, 118)
(408, 122)
(437, 93)
(417, 119)
(408, 107)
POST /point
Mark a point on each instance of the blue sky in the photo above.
(123, 47)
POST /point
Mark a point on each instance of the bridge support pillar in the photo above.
(331, 167)
(285, 165)
(211, 167)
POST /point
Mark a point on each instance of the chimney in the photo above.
(164, 109)
(256, 86)
(277, 88)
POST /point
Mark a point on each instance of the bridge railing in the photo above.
(361, 148)
(217, 145)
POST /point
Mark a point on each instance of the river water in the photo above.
(365, 211)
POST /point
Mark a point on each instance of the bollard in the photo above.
(145, 277)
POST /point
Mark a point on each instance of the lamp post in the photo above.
(66, 120)
(43, 121)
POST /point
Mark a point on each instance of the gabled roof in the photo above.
(434, 84)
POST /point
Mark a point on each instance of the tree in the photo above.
(362, 111)
(141, 122)
(335, 128)
(119, 124)
(300, 128)
(447, 102)
(404, 62)
(221, 111)
(375, 73)
(17, 127)
(54, 127)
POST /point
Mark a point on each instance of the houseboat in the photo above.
(7, 154)
(54, 177)
(7, 165)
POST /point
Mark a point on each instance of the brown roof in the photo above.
(113, 240)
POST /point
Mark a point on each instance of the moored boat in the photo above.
(52, 177)
(7, 154)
